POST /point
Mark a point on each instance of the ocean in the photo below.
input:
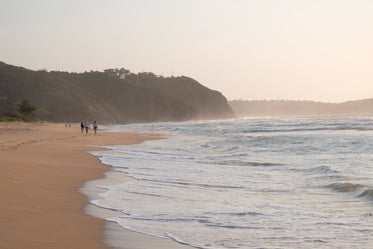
(246, 183)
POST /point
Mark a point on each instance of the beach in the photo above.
(42, 166)
(246, 183)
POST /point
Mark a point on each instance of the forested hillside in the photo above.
(115, 96)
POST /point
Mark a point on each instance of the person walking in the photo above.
(95, 126)
(82, 127)
(86, 126)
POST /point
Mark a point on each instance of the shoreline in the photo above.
(43, 166)
(116, 236)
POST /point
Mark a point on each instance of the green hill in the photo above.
(115, 96)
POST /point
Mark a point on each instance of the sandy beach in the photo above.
(42, 166)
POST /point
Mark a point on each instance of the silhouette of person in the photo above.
(95, 126)
(86, 126)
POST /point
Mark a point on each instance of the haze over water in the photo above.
(248, 183)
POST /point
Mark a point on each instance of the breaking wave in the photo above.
(345, 187)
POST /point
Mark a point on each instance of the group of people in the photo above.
(85, 125)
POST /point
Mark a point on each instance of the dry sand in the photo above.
(42, 166)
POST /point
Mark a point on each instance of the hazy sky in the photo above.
(247, 49)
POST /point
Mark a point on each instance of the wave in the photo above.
(142, 193)
(300, 129)
(234, 226)
(194, 184)
(165, 220)
(239, 214)
(245, 214)
(243, 163)
(176, 239)
(283, 130)
(321, 169)
(233, 148)
(96, 204)
(368, 194)
(345, 187)
(361, 190)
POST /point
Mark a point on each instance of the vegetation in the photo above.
(26, 109)
(25, 112)
(115, 96)
(10, 119)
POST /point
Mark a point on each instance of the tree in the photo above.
(25, 108)
(2, 109)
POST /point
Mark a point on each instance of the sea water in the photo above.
(248, 183)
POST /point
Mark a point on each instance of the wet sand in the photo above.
(42, 166)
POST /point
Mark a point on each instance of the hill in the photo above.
(293, 108)
(115, 96)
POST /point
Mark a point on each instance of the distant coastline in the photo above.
(245, 108)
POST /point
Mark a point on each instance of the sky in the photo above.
(319, 50)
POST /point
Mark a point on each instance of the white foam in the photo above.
(188, 186)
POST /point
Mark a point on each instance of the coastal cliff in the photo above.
(115, 96)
